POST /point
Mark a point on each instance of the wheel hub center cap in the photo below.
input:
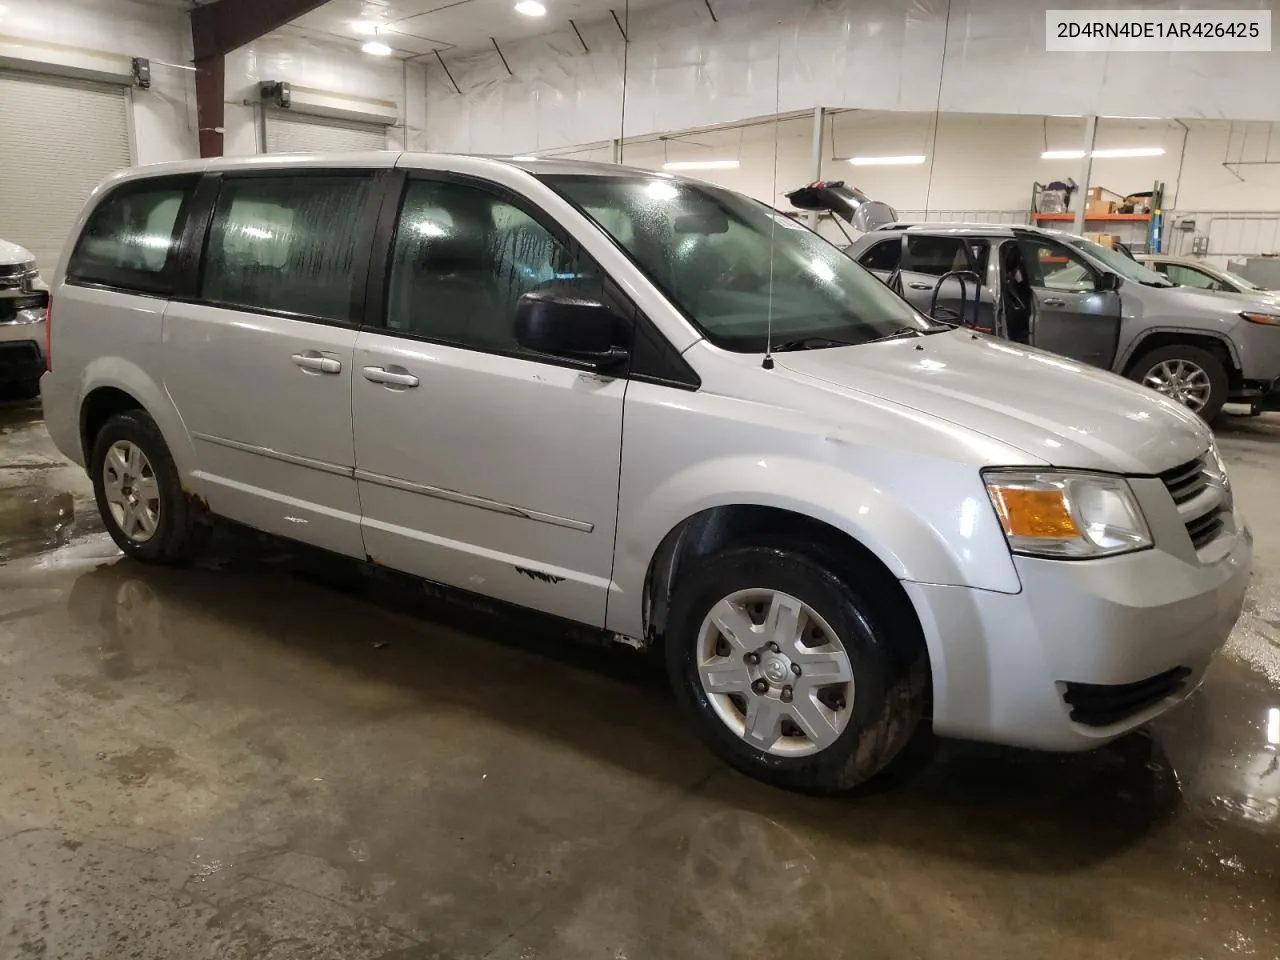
(776, 669)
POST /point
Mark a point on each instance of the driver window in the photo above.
(461, 261)
(1053, 266)
(1191, 277)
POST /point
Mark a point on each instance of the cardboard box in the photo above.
(1099, 208)
(1102, 239)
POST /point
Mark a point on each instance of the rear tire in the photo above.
(1190, 375)
(860, 667)
(139, 493)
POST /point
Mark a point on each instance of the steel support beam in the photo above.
(217, 29)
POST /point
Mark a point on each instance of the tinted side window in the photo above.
(462, 259)
(935, 255)
(130, 239)
(883, 256)
(285, 243)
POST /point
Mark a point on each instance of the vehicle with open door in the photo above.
(1076, 298)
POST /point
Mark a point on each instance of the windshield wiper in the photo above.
(811, 343)
(909, 331)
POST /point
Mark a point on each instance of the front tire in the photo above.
(791, 675)
(1190, 375)
(139, 493)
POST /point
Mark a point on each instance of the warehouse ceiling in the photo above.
(416, 27)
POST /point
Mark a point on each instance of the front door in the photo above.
(259, 362)
(479, 465)
(1069, 314)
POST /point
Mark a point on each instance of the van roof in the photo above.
(378, 158)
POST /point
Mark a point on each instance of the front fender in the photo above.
(934, 528)
(124, 375)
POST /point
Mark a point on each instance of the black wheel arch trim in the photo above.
(1135, 348)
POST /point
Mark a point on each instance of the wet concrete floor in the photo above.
(257, 758)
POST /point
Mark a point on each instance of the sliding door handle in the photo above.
(917, 285)
(316, 362)
(391, 378)
(1053, 302)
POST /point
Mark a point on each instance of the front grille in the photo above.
(1102, 704)
(1186, 483)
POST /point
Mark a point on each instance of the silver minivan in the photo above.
(661, 410)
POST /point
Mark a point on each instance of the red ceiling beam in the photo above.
(217, 29)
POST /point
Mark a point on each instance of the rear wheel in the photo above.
(1193, 376)
(789, 674)
(139, 493)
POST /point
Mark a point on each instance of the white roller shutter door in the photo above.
(296, 133)
(58, 139)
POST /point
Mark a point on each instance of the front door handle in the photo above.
(920, 286)
(317, 362)
(1053, 302)
(392, 378)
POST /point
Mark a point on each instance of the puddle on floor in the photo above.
(34, 518)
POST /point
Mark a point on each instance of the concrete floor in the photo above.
(256, 758)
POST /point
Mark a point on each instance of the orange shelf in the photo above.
(1067, 217)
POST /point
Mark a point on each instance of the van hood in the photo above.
(1055, 410)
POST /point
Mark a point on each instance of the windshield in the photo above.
(714, 254)
(1117, 262)
(1240, 281)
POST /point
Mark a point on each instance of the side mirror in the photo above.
(565, 322)
(1107, 282)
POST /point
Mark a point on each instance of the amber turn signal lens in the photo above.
(1269, 319)
(1041, 514)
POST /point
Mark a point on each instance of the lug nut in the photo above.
(760, 686)
(795, 668)
(773, 646)
(786, 694)
(751, 658)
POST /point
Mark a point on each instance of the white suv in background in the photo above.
(23, 299)
(659, 409)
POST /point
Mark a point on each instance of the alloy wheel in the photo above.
(1180, 380)
(131, 491)
(775, 672)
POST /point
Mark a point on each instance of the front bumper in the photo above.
(1005, 665)
(21, 344)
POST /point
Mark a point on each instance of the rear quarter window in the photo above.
(130, 240)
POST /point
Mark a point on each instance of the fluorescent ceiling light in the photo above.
(701, 165)
(531, 8)
(1111, 154)
(1131, 152)
(377, 49)
(366, 28)
(886, 161)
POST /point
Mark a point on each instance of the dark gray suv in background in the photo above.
(1076, 298)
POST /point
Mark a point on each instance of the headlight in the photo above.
(1067, 516)
(1269, 319)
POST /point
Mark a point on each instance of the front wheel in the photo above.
(789, 674)
(1190, 375)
